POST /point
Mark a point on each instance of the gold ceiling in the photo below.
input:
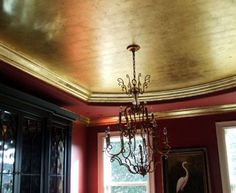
(188, 47)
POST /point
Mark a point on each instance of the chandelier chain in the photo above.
(134, 72)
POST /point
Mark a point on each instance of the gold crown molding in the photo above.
(205, 88)
(79, 118)
(31, 67)
(83, 120)
(198, 111)
(174, 114)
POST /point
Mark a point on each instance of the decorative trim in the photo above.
(198, 111)
(181, 113)
(84, 120)
(205, 88)
(33, 68)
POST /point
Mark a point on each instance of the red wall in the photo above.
(183, 133)
(197, 132)
(78, 159)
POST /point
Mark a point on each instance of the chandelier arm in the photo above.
(123, 153)
(127, 164)
(113, 158)
(129, 86)
(135, 119)
(134, 146)
(132, 155)
(109, 148)
(108, 151)
(109, 154)
(126, 158)
(130, 170)
(126, 115)
(146, 83)
(140, 117)
(122, 85)
(150, 141)
(141, 154)
(143, 113)
(140, 90)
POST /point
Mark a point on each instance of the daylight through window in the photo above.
(226, 135)
(117, 178)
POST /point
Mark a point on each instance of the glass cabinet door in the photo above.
(31, 159)
(57, 159)
(7, 151)
(34, 144)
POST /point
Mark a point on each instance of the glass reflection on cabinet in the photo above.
(57, 159)
(7, 150)
(57, 151)
(7, 183)
(56, 184)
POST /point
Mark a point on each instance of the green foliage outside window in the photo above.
(122, 181)
(125, 189)
(121, 173)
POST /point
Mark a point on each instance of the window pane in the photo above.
(128, 189)
(117, 178)
(121, 173)
(230, 136)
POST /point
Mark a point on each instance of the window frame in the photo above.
(100, 137)
(224, 168)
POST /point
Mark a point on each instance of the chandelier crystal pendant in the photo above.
(141, 141)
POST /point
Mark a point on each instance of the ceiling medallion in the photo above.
(141, 141)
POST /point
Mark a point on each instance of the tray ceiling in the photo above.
(188, 47)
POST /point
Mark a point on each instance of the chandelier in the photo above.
(141, 142)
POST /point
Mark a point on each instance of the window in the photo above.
(226, 135)
(113, 178)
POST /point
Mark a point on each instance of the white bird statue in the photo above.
(182, 181)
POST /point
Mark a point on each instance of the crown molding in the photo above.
(197, 111)
(33, 68)
(83, 120)
(174, 114)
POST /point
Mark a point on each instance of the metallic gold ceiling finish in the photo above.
(188, 47)
(32, 68)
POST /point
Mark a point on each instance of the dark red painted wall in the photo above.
(78, 159)
(197, 132)
(183, 133)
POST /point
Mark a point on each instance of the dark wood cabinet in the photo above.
(35, 142)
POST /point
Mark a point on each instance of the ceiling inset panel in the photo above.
(188, 47)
